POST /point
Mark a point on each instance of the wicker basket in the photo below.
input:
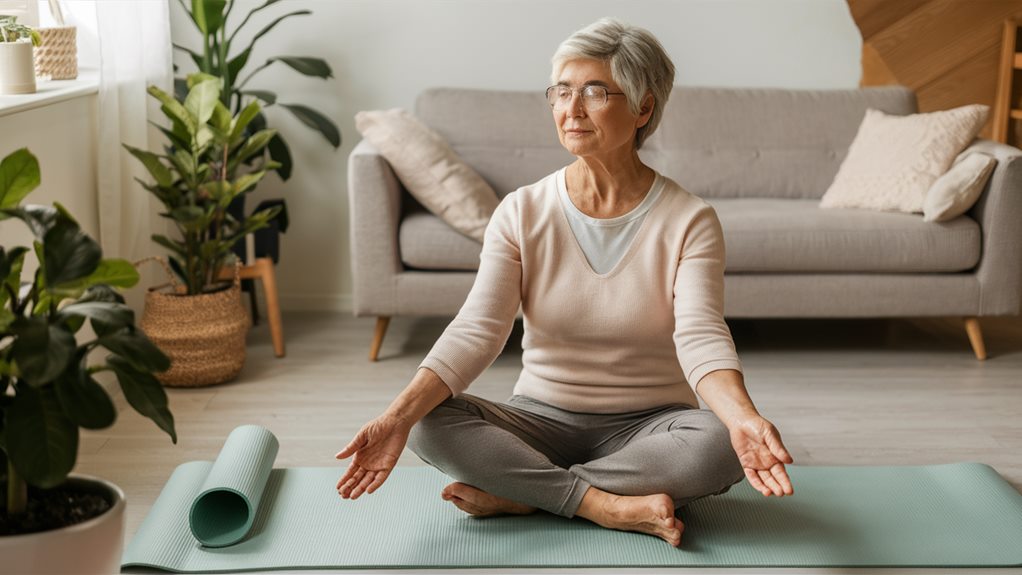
(204, 334)
(57, 55)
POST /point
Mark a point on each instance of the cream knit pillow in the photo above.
(954, 193)
(430, 170)
(894, 160)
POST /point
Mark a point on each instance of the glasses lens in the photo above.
(594, 97)
(558, 96)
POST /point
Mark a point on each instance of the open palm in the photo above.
(762, 455)
(376, 447)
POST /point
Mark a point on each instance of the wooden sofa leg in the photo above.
(381, 329)
(975, 337)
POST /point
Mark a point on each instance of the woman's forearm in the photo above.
(724, 392)
(425, 392)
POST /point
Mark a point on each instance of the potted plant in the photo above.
(203, 170)
(221, 58)
(49, 387)
(17, 67)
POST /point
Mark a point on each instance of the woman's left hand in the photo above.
(762, 454)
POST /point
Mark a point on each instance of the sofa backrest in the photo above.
(715, 142)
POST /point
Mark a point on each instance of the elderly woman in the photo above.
(620, 275)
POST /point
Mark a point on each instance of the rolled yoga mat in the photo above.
(954, 515)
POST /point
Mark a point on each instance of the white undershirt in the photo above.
(605, 240)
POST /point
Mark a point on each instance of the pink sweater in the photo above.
(640, 336)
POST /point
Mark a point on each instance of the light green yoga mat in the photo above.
(955, 515)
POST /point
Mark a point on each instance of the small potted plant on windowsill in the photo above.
(53, 521)
(17, 66)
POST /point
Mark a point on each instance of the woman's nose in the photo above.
(576, 107)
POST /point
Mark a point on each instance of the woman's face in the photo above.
(588, 132)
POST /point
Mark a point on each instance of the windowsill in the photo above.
(52, 91)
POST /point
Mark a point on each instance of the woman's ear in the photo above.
(645, 110)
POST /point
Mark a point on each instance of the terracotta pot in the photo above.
(17, 68)
(93, 546)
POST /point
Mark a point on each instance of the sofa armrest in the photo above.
(374, 194)
(999, 213)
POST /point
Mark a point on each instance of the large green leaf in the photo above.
(42, 442)
(237, 63)
(113, 272)
(152, 163)
(244, 118)
(145, 393)
(221, 120)
(70, 253)
(19, 175)
(316, 121)
(40, 219)
(172, 245)
(174, 110)
(255, 144)
(248, 181)
(136, 349)
(269, 97)
(309, 66)
(10, 271)
(208, 15)
(83, 400)
(114, 314)
(40, 350)
(280, 154)
(176, 140)
(202, 99)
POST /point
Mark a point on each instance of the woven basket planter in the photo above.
(204, 334)
(57, 54)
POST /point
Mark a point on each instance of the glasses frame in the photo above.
(580, 92)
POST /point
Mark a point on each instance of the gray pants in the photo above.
(537, 454)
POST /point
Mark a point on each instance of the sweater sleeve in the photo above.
(477, 335)
(701, 337)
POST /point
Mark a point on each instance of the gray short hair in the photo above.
(638, 63)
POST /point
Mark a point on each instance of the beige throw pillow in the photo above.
(956, 191)
(430, 170)
(894, 160)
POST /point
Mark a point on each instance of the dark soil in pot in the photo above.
(50, 509)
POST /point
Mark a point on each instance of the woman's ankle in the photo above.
(595, 505)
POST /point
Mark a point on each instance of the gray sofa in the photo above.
(762, 158)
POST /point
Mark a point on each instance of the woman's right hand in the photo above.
(376, 447)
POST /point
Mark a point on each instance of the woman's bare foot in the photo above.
(652, 514)
(479, 503)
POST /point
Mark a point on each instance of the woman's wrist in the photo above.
(724, 392)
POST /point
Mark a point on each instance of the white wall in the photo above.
(384, 52)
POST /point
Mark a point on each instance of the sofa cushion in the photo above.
(894, 160)
(426, 242)
(768, 235)
(777, 235)
(430, 170)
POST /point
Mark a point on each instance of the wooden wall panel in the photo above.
(948, 51)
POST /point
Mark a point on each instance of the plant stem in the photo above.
(17, 491)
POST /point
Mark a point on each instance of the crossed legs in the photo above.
(622, 471)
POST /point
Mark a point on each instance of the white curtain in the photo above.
(135, 52)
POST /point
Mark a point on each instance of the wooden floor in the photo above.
(842, 392)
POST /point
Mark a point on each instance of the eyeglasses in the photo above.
(593, 96)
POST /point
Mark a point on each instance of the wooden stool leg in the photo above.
(975, 337)
(381, 329)
(272, 304)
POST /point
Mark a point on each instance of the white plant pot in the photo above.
(90, 547)
(17, 68)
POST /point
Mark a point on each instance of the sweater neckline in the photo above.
(562, 188)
